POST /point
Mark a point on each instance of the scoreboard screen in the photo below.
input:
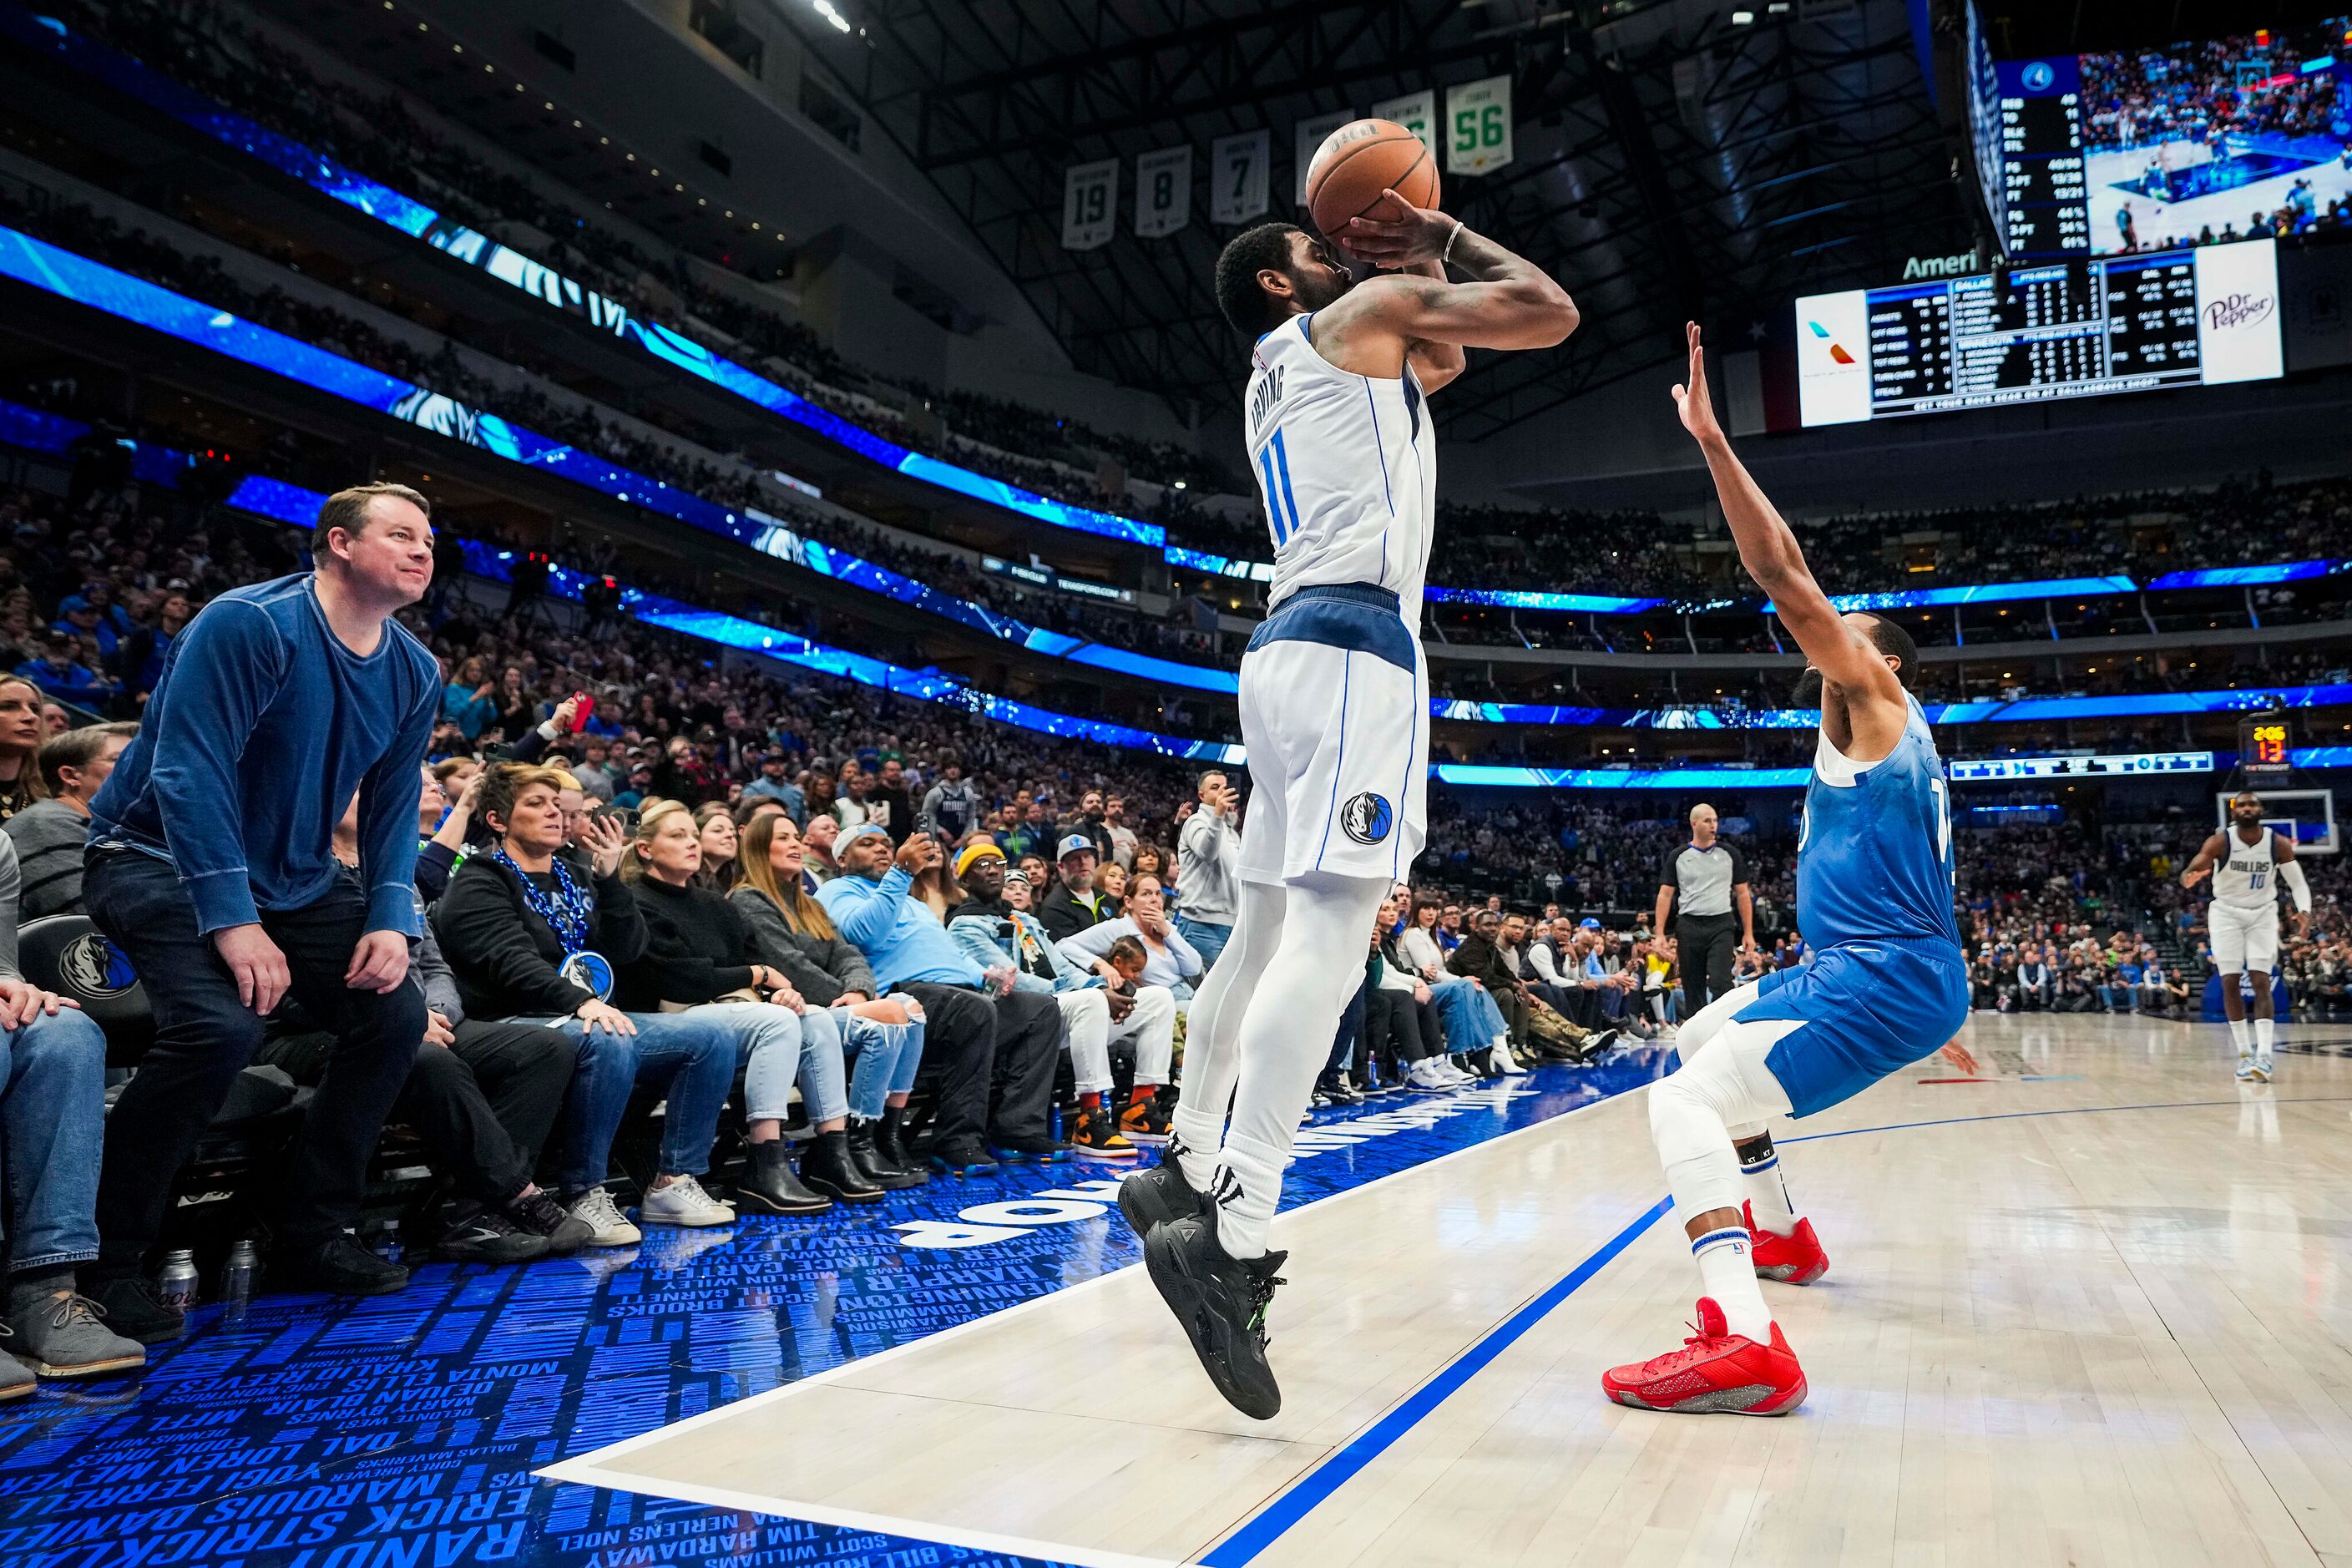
(2263, 747)
(2080, 327)
(2102, 154)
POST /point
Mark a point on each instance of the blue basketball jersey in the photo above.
(1875, 857)
(1886, 985)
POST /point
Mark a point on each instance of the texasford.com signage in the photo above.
(1037, 577)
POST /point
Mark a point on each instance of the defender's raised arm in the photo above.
(1838, 646)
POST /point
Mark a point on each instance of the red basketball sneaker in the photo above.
(1792, 1259)
(1716, 1372)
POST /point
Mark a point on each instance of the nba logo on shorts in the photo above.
(1366, 817)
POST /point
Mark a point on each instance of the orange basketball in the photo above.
(1361, 160)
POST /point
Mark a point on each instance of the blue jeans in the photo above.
(888, 1058)
(1471, 1018)
(52, 1121)
(1207, 937)
(777, 1046)
(693, 1055)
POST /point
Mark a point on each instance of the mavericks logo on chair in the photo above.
(96, 968)
(1367, 818)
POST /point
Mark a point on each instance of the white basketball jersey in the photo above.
(1347, 464)
(2248, 877)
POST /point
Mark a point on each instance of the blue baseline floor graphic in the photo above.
(1268, 1525)
(307, 1432)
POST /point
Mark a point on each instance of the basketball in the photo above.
(1361, 160)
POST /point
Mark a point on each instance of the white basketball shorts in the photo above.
(2243, 939)
(1335, 715)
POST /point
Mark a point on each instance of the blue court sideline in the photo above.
(400, 1432)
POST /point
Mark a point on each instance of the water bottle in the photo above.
(176, 1286)
(239, 1273)
(387, 1242)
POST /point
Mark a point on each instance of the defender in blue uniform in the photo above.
(1887, 986)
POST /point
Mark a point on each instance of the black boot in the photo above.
(866, 1149)
(832, 1169)
(768, 1185)
(890, 1139)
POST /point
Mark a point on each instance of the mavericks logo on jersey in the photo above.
(1367, 818)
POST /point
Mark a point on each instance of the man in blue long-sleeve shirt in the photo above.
(994, 1049)
(211, 864)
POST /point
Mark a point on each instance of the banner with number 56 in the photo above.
(1478, 126)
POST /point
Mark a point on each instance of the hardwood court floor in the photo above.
(2091, 1311)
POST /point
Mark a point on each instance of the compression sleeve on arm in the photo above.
(2291, 873)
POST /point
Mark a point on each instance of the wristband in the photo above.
(1446, 255)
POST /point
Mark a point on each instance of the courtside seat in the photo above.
(68, 955)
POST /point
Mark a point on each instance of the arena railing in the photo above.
(421, 222)
(38, 430)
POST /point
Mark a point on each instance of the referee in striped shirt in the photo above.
(1705, 877)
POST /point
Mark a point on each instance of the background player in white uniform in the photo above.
(1334, 711)
(2248, 862)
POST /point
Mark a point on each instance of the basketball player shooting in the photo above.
(1887, 985)
(1334, 713)
(2247, 862)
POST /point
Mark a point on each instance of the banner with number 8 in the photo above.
(1163, 192)
(1478, 126)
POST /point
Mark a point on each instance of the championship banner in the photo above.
(1163, 192)
(1478, 126)
(1237, 176)
(1088, 204)
(1417, 112)
(1306, 137)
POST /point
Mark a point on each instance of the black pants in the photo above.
(1349, 1044)
(994, 1058)
(1401, 1030)
(204, 1037)
(483, 1105)
(1707, 946)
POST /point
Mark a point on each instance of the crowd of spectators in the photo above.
(2138, 534)
(2068, 916)
(381, 137)
(847, 943)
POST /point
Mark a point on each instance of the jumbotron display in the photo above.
(2103, 154)
(2080, 327)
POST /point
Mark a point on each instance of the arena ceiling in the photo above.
(1671, 162)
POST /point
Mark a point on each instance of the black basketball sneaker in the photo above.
(1157, 1194)
(1221, 1301)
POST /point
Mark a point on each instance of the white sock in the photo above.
(1196, 1134)
(1768, 1192)
(2241, 1036)
(1726, 1268)
(2266, 1034)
